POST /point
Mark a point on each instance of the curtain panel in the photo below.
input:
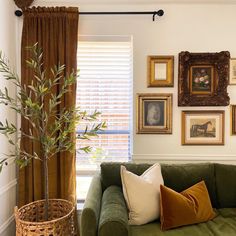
(56, 32)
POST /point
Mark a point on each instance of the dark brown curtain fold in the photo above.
(56, 32)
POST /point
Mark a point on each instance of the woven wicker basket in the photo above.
(29, 219)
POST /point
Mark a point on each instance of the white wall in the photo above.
(8, 175)
(191, 27)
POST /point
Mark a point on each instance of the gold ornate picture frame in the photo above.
(160, 71)
(154, 113)
(203, 127)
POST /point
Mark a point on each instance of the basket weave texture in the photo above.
(30, 219)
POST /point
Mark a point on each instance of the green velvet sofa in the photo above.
(105, 212)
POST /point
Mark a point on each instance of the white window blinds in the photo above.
(105, 85)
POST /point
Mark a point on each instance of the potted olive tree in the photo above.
(52, 130)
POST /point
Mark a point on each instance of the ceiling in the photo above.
(131, 2)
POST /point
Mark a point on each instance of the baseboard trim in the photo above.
(183, 157)
(6, 224)
(8, 186)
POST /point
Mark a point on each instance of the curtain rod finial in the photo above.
(157, 13)
(18, 13)
(160, 12)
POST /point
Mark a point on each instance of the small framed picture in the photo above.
(233, 119)
(160, 71)
(203, 127)
(154, 113)
(232, 71)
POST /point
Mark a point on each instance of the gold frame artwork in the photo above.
(154, 113)
(232, 71)
(166, 68)
(203, 127)
(233, 119)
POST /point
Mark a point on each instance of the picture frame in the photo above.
(154, 113)
(233, 119)
(203, 79)
(232, 73)
(203, 127)
(160, 71)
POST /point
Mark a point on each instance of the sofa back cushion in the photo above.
(176, 176)
(182, 176)
(226, 185)
(110, 172)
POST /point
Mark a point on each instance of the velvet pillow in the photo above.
(191, 206)
(142, 194)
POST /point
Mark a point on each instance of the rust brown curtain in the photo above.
(56, 31)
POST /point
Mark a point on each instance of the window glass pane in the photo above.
(105, 85)
(82, 185)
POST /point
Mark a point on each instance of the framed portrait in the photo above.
(232, 71)
(203, 127)
(160, 71)
(203, 79)
(154, 113)
(233, 119)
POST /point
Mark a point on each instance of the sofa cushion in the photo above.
(142, 194)
(176, 176)
(191, 206)
(219, 226)
(182, 176)
(114, 213)
(226, 185)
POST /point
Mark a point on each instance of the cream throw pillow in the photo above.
(142, 194)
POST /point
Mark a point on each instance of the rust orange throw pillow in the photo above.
(191, 206)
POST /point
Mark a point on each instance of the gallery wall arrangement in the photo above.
(203, 79)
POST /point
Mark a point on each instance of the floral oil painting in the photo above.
(201, 79)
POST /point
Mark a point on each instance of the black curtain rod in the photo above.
(153, 13)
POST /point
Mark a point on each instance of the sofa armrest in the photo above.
(91, 211)
(114, 214)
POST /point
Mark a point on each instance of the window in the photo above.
(105, 85)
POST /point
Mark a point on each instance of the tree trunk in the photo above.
(46, 193)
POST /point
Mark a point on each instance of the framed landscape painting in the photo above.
(154, 113)
(203, 127)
